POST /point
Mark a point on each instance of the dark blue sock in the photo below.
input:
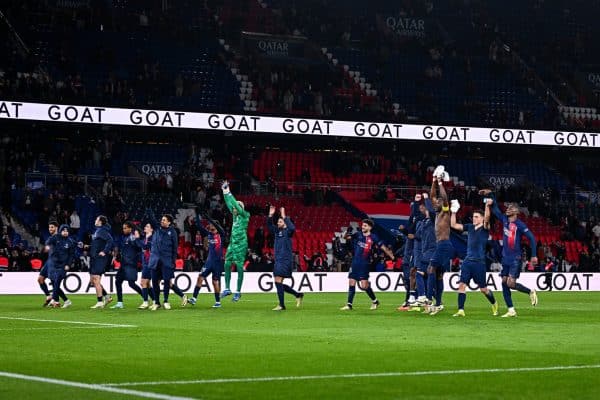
(44, 288)
(145, 294)
(507, 295)
(156, 290)
(439, 292)
(370, 293)
(150, 293)
(217, 297)
(279, 287)
(177, 291)
(522, 289)
(99, 299)
(420, 285)
(490, 296)
(196, 291)
(166, 289)
(104, 292)
(462, 297)
(55, 289)
(351, 293)
(119, 286)
(135, 287)
(288, 289)
(431, 286)
(62, 294)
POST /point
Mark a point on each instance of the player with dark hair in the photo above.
(101, 246)
(282, 269)
(43, 275)
(364, 243)
(214, 261)
(408, 268)
(426, 234)
(513, 230)
(473, 266)
(60, 259)
(162, 262)
(130, 256)
(146, 272)
(440, 260)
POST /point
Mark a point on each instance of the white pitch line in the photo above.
(372, 375)
(93, 387)
(71, 322)
(59, 328)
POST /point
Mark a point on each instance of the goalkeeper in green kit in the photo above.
(238, 245)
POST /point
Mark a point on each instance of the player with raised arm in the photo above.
(283, 232)
(513, 230)
(473, 266)
(440, 262)
(238, 245)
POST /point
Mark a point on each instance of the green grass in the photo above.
(247, 339)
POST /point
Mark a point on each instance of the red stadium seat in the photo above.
(36, 264)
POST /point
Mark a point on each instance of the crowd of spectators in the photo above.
(281, 88)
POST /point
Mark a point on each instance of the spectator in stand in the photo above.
(75, 223)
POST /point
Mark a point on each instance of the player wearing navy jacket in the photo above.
(365, 243)
(162, 262)
(52, 230)
(409, 270)
(100, 248)
(513, 230)
(284, 257)
(60, 259)
(214, 261)
(428, 248)
(131, 252)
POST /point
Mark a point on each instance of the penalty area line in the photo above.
(365, 375)
(70, 322)
(93, 387)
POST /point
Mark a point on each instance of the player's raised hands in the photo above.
(225, 186)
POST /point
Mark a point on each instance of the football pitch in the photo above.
(244, 350)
